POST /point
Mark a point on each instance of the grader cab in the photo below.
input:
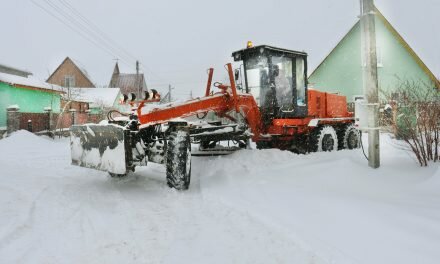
(277, 78)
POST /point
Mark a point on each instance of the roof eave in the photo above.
(33, 87)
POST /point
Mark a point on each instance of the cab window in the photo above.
(300, 82)
(257, 74)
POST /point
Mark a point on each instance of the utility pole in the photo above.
(169, 92)
(370, 83)
(138, 81)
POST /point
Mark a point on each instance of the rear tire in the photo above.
(323, 138)
(178, 160)
(351, 139)
(264, 144)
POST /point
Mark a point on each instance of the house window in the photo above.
(69, 81)
(379, 56)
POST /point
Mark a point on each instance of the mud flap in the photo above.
(101, 147)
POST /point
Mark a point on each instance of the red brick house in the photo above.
(68, 74)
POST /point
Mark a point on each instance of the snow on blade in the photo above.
(99, 147)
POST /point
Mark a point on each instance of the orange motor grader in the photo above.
(267, 101)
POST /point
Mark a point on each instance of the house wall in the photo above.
(69, 68)
(341, 71)
(117, 104)
(31, 101)
(398, 64)
(80, 107)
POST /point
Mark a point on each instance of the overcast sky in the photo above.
(176, 41)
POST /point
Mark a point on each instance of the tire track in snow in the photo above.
(129, 215)
(25, 226)
(213, 231)
(236, 182)
(158, 213)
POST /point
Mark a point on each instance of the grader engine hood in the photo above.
(101, 147)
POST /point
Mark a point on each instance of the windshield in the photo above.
(257, 77)
(283, 82)
(277, 82)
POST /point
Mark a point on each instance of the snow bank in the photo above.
(23, 139)
(334, 203)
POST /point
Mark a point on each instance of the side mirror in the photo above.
(237, 74)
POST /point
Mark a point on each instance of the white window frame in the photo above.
(69, 80)
(379, 56)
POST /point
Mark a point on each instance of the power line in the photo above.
(95, 27)
(88, 30)
(102, 34)
(72, 28)
(80, 26)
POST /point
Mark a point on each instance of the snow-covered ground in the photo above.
(253, 206)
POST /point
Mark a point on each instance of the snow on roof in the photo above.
(29, 81)
(96, 96)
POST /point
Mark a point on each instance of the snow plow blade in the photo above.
(101, 147)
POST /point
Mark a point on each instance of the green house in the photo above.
(29, 94)
(341, 71)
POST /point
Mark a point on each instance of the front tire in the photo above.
(116, 175)
(323, 138)
(178, 160)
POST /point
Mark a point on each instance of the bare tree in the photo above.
(416, 118)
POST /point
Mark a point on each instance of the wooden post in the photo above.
(73, 116)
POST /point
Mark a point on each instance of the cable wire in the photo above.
(71, 27)
(362, 145)
(104, 35)
(83, 28)
(78, 23)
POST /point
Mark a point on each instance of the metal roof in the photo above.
(244, 52)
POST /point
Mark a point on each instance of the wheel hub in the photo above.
(327, 143)
(352, 140)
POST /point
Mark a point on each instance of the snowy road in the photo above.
(250, 207)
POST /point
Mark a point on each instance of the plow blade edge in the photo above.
(101, 147)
